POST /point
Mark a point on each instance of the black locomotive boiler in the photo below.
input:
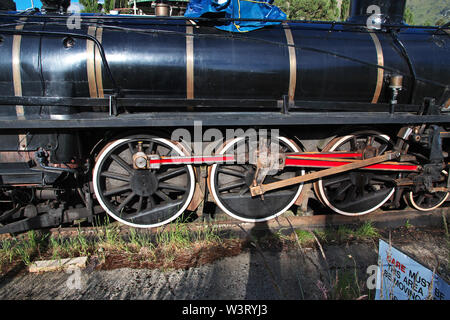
(89, 105)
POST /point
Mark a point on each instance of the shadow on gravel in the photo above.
(9, 276)
(44, 238)
(261, 269)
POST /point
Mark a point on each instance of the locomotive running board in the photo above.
(263, 188)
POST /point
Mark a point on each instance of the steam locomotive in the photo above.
(145, 118)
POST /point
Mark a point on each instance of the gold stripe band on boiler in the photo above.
(292, 63)
(94, 63)
(17, 80)
(189, 61)
(380, 63)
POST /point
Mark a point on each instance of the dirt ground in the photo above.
(270, 273)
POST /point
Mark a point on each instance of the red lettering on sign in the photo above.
(396, 264)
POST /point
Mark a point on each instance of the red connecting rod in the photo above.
(304, 160)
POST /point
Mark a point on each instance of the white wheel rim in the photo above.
(325, 199)
(109, 212)
(220, 204)
(415, 206)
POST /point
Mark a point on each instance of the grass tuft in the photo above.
(367, 231)
(346, 286)
(304, 237)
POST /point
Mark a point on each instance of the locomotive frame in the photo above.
(417, 119)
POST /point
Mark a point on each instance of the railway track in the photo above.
(380, 219)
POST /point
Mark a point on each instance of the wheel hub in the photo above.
(144, 183)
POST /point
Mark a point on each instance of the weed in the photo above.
(6, 251)
(112, 236)
(208, 234)
(408, 225)
(323, 289)
(346, 286)
(83, 243)
(367, 231)
(177, 237)
(26, 248)
(24, 254)
(344, 233)
(322, 235)
(79, 245)
(304, 237)
(108, 234)
(444, 221)
(55, 247)
(139, 241)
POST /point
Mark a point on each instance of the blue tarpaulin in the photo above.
(236, 9)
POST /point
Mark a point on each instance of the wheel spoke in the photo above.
(116, 191)
(231, 185)
(151, 202)
(341, 190)
(162, 195)
(244, 190)
(150, 146)
(126, 201)
(122, 163)
(382, 149)
(115, 176)
(153, 210)
(353, 144)
(360, 201)
(171, 187)
(231, 172)
(331, 181)
(351, 194)
(131, 148)
(139, 205)
(420, 199)
(170, 174)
